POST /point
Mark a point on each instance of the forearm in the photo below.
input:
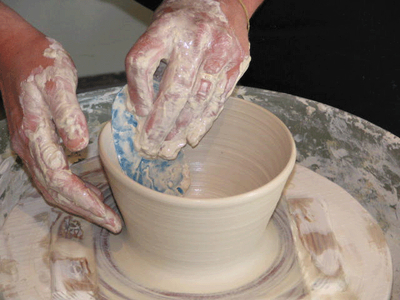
(21, 52)
(15, 32)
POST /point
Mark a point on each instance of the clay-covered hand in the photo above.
(38, 84)
(205, 47)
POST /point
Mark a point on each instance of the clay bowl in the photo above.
(238, 172)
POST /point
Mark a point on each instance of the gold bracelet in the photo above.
(246, 13)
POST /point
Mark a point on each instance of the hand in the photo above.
(38, 82)
(205, 46)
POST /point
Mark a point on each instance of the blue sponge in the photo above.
(165, 176)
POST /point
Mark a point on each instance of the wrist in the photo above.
(246, 7)
(239, 12)
(251, 5)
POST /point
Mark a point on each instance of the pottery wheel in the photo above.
(34, 239)
(121, 277)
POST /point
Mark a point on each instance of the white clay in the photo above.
(185, 75)
(44, 141)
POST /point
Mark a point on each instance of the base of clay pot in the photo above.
(126, 270)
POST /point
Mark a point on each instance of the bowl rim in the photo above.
(203, 202)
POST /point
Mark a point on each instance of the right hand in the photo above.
(205, 45)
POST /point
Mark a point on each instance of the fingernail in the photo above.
(113, 223)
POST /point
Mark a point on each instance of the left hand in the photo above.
(38, 81)
(205, 46)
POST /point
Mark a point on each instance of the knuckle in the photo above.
(18, 142)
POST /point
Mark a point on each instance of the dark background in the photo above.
(341, 53)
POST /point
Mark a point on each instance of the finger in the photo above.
(57, 85)
(175, 90)
(48, 165)
(222, 51)
(39, 129)
(141, 63)
(211, 85)
(199, 127)
(80, 201)
(207, 80)
(73, 195)
(94, 190)
(66, 112)
(66, 190)
(224, 88)
(177, 138)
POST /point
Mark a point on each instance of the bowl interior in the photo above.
(246, 148)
